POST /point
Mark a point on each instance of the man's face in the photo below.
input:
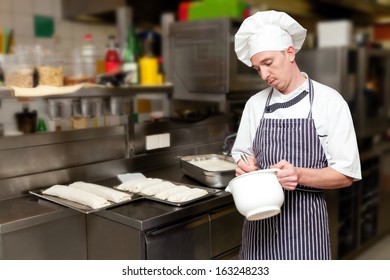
(274, 67)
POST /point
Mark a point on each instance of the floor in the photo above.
(378, 251)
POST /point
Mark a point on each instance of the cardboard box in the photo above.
(335, 34)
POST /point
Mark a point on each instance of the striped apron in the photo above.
(300, 231)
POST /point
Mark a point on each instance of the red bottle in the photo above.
(112, 63)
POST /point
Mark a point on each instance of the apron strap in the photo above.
(272, 108)
(311, 97)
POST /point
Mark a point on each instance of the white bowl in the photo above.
(257, 195)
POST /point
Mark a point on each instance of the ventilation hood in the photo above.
(148, 12)
(145, 12)
(91, 10)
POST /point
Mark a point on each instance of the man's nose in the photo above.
(263, 73)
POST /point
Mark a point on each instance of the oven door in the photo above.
(203, 59)
(189, 240)
(242, 78)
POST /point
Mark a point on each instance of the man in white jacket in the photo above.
(300, 126)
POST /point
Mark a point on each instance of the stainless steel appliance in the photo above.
(361, 76)
(203, 61)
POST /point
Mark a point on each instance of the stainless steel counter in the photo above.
(145, 214)
(20, 212)
(132, 231)
(32, 228)
(144, 229)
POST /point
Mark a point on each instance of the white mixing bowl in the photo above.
(258, 194)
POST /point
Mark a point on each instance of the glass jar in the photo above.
(75, 69)
(18, 71)
(51, 71)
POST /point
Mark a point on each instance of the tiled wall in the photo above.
(19, 15)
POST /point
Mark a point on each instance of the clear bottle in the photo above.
(130, 59)
(88, 54)
(112, 63)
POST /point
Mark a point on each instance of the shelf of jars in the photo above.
(88, 90)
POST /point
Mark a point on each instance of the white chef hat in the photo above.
(267, 31)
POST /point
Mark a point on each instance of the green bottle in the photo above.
(130, 58)
(41, 125)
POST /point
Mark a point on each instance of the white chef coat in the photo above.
(332, 119)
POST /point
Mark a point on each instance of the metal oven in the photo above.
(203, 60)
(361, 76)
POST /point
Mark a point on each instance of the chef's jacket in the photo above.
(332, 119)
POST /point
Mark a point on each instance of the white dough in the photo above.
(187, 195)
(138, 185)
(80, 196)
(163, 195)
(214, 164)
(152, 190)
(106, 192)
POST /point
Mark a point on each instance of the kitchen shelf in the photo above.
(98, 91)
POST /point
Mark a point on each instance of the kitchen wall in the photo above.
(19, 15)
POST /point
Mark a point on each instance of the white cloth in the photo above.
(187, 195)
(267, 31)
(331, 116)
(42, 90)
(130, 176)
(86, 198)
(164, 194)
(137, 185)
(106, 192)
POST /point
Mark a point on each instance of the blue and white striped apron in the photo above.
(301, 230)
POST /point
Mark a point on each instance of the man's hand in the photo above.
(243, 168)
(287, 175)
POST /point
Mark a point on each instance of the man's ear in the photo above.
(291, 53)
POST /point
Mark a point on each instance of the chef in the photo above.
(300, 126)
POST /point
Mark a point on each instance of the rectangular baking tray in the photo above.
(210, 192)
(213, 179)
(77, 206)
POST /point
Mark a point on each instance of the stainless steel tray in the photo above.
(210, 192)
(214, 179)
(77, 206)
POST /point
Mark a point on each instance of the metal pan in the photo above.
(77, 206)
(214, 179)
(210, 192)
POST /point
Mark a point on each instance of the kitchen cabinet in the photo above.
(108, 240)
(33, 229)
(384, 194)
(206, 229)
(225, 232)
(182, 241)
(356, 213)
(211, 235)
(86, 102)
(68, 113)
